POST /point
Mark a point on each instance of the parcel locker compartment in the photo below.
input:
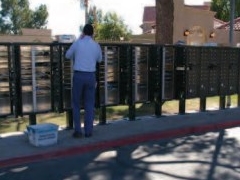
(5, 98)
(43, 89)
(109, 76)
(5, 103)
(141, 92)
(112, 72)
(67, 83)
(3, 66)
(112, 93)
(40, 59)
(112, 67)
(67, 97)
(41, 75)
(27, 102)
(43, 102)
(140, 77)
(4, 77)
(31, 103)
(5, 84)
(42, 64)
(27, 88)
(141, 73)
(102, 95)
(35, 79)
(229, 71)
(168, 73)
(143, 67)
(36, 99)
(3, 52)
(210, 71)
(26, 68)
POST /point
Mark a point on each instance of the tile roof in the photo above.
(217, 23)
(236, 26)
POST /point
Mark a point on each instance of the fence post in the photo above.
(131, 95)
(202, 104)
(182, 103)
(222, 102)
(69, 119)
(32, 119)
(180, 77)
(17, 80)
(102, 115)
(160, 57)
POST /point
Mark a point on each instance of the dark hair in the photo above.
(88, 30)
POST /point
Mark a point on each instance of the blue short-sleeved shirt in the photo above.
(85, 53)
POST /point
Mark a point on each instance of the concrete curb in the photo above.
(77, 150)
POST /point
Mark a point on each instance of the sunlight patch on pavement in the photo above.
(19, 169)
(4, 135)
(140, 152)
(106, 155)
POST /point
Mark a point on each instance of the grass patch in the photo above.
(11, 124)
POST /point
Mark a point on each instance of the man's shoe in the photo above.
(87, 135)
(77, 134)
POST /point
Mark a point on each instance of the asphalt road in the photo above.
(210, 156)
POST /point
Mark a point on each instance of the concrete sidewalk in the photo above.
(15, 148)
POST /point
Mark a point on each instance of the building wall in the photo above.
(222, 37)
(143, 38)
(29, 35)
(186, 17)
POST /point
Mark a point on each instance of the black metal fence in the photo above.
(36, 78)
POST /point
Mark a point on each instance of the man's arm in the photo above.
(70, 52)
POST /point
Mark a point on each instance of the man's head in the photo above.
(88, 30)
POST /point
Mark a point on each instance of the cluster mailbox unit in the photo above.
(37, 78)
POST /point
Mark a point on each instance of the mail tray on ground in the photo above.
(43, 134)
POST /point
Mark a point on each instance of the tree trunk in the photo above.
(164, 21)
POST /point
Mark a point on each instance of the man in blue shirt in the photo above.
(85, 53)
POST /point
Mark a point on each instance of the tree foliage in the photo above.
(95, 15)
(112, 28)
(109, 27)
(16, 14)
(223, 9)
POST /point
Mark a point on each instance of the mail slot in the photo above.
(109, 80)
(35, 72)
(5, 88)
(140, 56)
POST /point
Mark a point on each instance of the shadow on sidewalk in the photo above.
(210, 156)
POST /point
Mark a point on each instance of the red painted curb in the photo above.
(167, 134)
